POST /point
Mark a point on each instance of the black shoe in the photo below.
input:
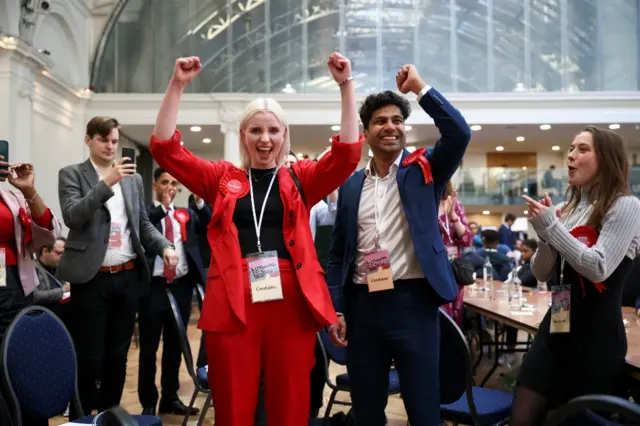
(176, 407)
(148, 411)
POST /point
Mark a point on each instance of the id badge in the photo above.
(115, 236)
(3, 268)
(452, 252)
(378, 268)
(560, 308)
(264, 276)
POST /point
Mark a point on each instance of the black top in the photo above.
(271, 236)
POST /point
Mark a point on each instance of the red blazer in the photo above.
(221, 184)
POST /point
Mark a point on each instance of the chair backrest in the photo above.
(455, 364)
(200, 295)
(334, 353)
(116, 416)
(628, 411)
(183, 339)
(39, 366)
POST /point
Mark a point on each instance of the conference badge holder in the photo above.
(264, 276)
(378, 268)
(561, 308)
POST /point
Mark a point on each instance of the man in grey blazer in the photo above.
(102, 203)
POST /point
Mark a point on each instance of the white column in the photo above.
(17, 84)
(230, 127)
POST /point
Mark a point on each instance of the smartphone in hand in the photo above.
(130, 153)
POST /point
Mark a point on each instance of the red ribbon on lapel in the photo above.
(25, 220)
(182, 216)
(234, 182)
(418, 156)
(587, 236)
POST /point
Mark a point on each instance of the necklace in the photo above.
(256, 179)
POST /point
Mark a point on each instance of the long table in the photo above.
(494, 305)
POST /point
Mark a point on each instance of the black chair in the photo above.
(461, 401)
(39, 368)
(625, 412)
(199, 376)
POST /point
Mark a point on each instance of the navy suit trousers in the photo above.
(400, 325)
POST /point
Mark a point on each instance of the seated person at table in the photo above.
(500, 262)
(528, 249)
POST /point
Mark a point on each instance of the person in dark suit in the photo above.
(501, 263)
(181, 227)
(506, 235)
(102, 203)
(388, 270)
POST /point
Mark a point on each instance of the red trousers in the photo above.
(278, 342)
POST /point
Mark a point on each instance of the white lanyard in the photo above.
(375, 207)
(566, 223)
(446, 227)
(258, 223)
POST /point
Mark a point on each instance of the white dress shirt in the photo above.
(183, 265)
(117, 211)
(322, 215)
(394, 227)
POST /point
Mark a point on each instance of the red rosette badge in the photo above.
(25, 220)
(587, 236)
(418, 156)
(182, 216)
(235, 183)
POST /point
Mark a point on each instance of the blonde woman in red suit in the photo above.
(266, 294)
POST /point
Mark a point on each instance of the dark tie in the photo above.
(169, 273)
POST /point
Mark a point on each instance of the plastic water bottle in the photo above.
(487, 274)
(515, 291)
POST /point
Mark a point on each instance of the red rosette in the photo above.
(182, 216)
(588, 236)
(235, 183)
(418, 156)
(25, 220)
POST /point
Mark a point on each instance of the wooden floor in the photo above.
(395, 408)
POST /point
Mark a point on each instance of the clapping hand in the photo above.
(536, 208)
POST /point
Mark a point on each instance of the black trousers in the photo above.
(105, 312)
(155, 318)
(318, 381)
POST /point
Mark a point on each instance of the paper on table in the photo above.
(73, 424)
(522, 313)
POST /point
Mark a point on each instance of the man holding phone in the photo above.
(102, 203)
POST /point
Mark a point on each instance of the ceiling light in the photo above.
(526, 212)
(499, 148)
(300, 155)
(524, 167)
(545, 126)
(206, 140)
(614, 126)
(195, 128)
(555, 148)
(520, 139)
(330, 140)
(476, 127)
(408, 128)
(411, 148)
(181, 142)
(486, 212)
(335, 128)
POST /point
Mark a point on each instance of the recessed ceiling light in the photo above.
(195, 128)
(614, 126)
(526, 212)
(408, 128)
(524, 167)
(206, 140)
(545, 126)
(499, 148)
(181, 142)
(485, 212)
(476, 127)
(555, 148)
(520, 139)
(300, 155)
(335, 128)
(330, 139)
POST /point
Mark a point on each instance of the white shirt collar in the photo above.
(157, 203)
(368, 168)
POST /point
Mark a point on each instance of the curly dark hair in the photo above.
(379, 100)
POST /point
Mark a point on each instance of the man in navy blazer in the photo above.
(388, 270)
(155, 315)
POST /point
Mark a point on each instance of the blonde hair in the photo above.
(254, 107)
